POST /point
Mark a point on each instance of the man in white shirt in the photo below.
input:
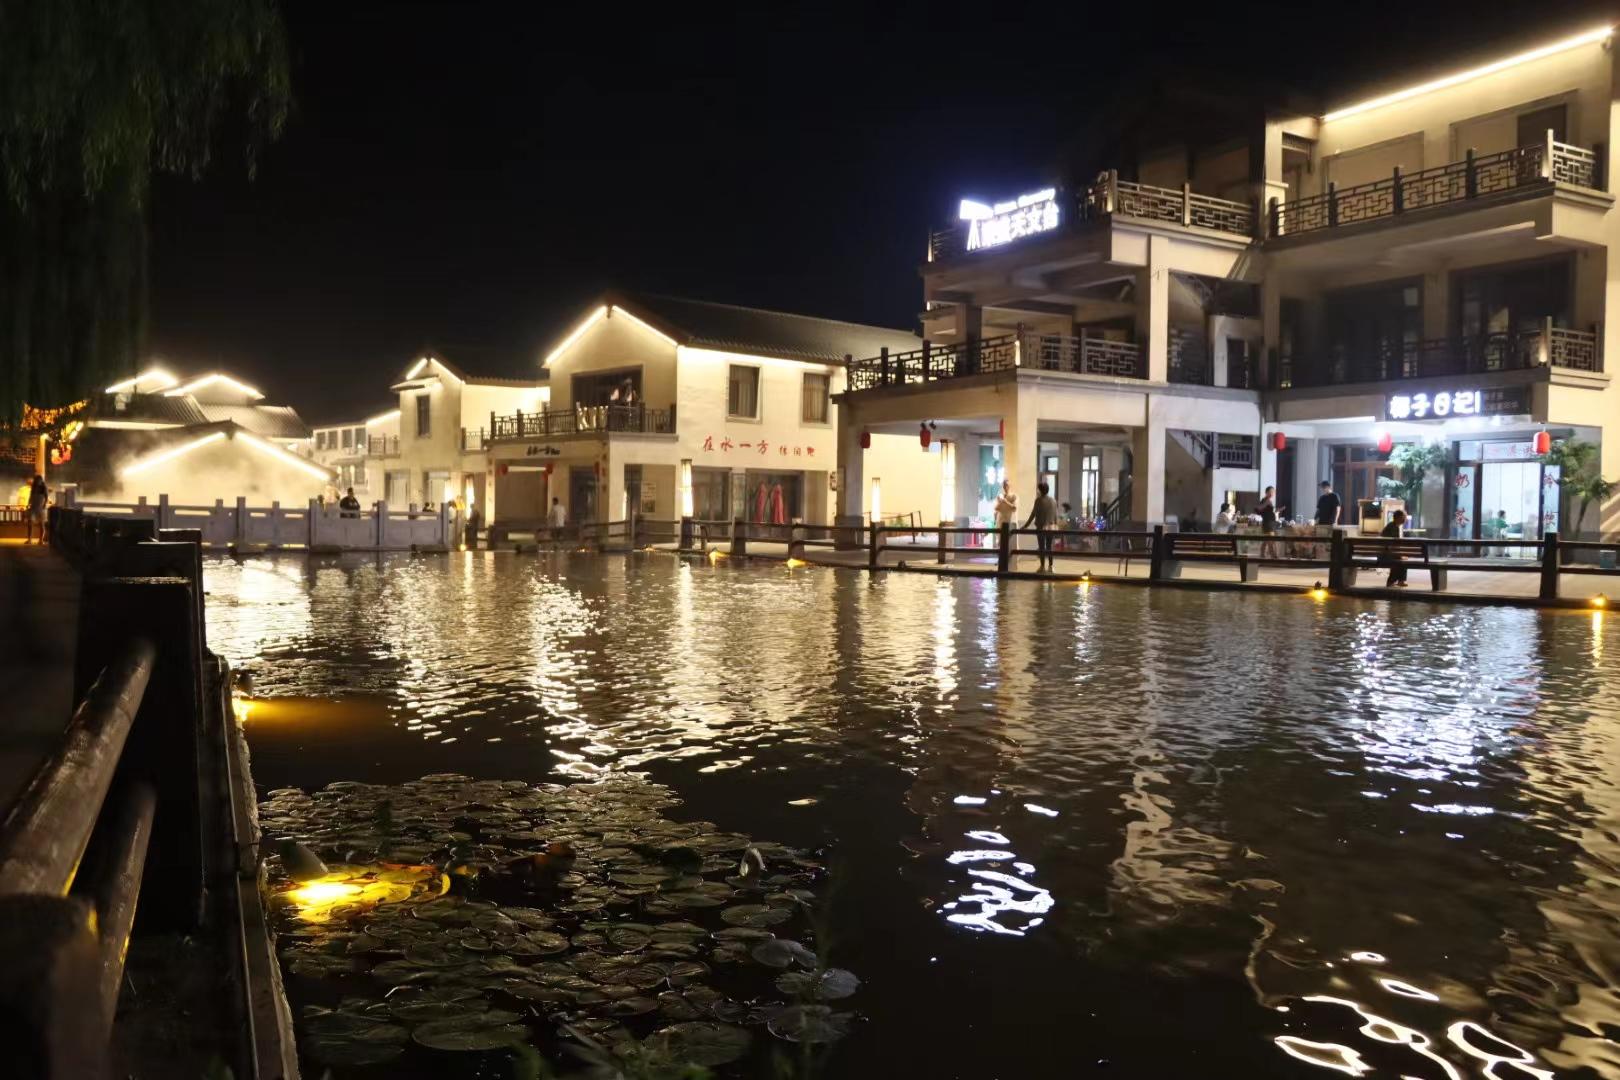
(1006, 505)
(557, 518)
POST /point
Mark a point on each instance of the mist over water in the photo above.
(1180, 833)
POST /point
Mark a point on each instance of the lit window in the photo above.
(348, 438)
(423, 418)
(743, 400)
(816, 403)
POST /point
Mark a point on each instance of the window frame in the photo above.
(826, 398)
(758, 415)
(424, 416)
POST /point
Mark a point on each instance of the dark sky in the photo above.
(472, 175)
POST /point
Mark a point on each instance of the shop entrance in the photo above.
(1356, 470)
(1503, 492)
(775, 498)
(582, 494)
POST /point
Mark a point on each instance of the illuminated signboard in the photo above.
(1436, 406)
(1028, 215)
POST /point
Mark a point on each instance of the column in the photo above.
(851, 471)
(611, 492)
(1021, 453)
(1153, 308)
(1147, 467)
(968, 478)
(1270, 331)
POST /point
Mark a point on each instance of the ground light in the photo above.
(796, 562)
(1317, 592)
(715, 555)
(1600, 601)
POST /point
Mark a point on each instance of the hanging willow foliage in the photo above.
(95, 97)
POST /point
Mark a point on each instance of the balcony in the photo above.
(1109, 197)
(1550, 346)
(581, 420)
(382, 446)
(1524, 172)
(1030, 351)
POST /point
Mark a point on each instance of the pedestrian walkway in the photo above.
(39, 625)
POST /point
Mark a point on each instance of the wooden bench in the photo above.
(1182, 547)
(1379, 554)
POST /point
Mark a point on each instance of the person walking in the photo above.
(1397, 568)
(1043, 515)
(38, 496)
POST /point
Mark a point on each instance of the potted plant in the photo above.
(1579, 476)
(1414, 460)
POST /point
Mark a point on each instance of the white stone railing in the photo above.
(313, 527)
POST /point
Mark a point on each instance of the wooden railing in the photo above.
(1023, 348)
(1438, 357)
(383, 446)
(1109, 195)
(1234, 452)
(1085, 356)
(473, 439)
(582, 420)
(1523, 170)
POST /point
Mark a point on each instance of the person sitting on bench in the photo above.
(1397, 569)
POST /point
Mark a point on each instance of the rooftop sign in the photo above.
(1004, 222)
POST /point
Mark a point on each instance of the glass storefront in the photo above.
(1500, 490)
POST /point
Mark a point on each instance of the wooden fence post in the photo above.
(164, 521)
(275, 523)
(1470, 175)
(944, 542)
(1004, 548)
(380, 509)
(1336, 559)
(241, 519)
(1549, 565)
(686, 534)
(874, 546)
(1156, 556)
(739, 536)
(313, 520)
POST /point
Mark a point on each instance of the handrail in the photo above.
(44, 838)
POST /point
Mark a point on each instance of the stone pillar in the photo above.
(1147, 467)
(1270, 331)
(851, 468)
(1021, 455)
(1153, 308)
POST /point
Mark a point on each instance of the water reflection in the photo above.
(1395, 826)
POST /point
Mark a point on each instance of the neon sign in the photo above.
(1004, 222)
(1440, 404)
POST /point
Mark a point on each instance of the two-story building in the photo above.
(433, 448)
(346, 449)
(1286, 297)
(666, 408)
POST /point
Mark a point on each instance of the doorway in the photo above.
(1356, 470)
(582, 486)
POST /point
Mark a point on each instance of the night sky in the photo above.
(471, 176)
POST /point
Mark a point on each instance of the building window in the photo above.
(816, 403)
(348, 438)
(423, 418)
(743, 400)
(1090, 475)
(320, 440)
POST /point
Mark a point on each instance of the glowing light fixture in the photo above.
(318, 893)
(417, 367)
(686, 488)
(877, 501)
(1556, 47)
(579, 331)
(155, 374)
(170, 454)
(795, 563)
(947, 480)
(209, 380)
(391, 414)
(285, 457)
(642, 323)
(1600, 601)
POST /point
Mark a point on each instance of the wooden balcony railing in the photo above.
(1041, 352)
(1109, 195)
(1524, 171)
(383, 446)
(1553, 346)
(582, 420)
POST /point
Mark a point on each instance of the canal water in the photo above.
(1071, 830)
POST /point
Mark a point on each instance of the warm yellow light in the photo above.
(794, 563)
(877, 501)
(391, 414)
(286, 458)
(416, 368)
(317, 893)
(1600, 601)
(209, 380)
(716, 555)
(642, 323)
(1464, 76)
(686, 487)
(1319, 594)
(130, 425)
(171, 454)
(579, 332)
(156, 374)
(947, 480)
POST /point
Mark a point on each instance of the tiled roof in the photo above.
(179, 410)
(269, 421)
(758, 332)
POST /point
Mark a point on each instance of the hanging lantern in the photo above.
(1386, 442)
(549, 467)
(500, 470)
(866, 439)
(924, 436)
(1279, 441)
(1001, 428)
(1543, 442)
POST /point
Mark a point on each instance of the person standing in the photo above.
(1268, 523)
(349, 506)
(1397, 568)
(1224, 520)
(1006, 505)
(1043, 515)
(38, 497)
(557, 518)
(1328, 505)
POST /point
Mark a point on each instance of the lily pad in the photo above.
(810, 1024)
(755, 915)
(702, 1042)
(781, 953)
(831, 984)
(453, 1035)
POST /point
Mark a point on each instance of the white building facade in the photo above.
(1282, 300)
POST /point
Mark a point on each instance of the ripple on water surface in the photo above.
(1180, 832)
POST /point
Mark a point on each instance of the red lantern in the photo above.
(1543, 442)
(500, 470)
(1279, 441)
(866, 439)
(924, 436)
(1001, 428)
(1386, 442)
